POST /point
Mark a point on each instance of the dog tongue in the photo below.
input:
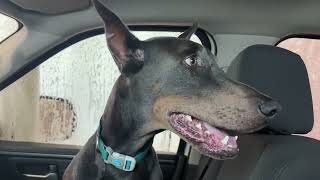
(220, 135)
(203, 132)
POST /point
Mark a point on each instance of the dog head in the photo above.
(174, 83)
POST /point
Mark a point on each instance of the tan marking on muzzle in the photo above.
(223, 110)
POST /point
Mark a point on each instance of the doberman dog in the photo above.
(165, 83)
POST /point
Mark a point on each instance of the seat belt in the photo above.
(181, 161)
(210, 164)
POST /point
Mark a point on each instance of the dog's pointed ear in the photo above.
(125, 48)
(189, 32)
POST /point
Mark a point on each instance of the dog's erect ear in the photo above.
(125, 48)
(189, 32)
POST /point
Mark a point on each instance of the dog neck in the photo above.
(119, 128)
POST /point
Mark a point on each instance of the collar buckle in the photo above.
(120, 161)
(123, 162)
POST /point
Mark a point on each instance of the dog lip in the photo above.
(233, 132)
(228, 131)
(210, 140)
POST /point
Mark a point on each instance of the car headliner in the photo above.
(45, 25)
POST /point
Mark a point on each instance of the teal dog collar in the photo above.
(120, 161)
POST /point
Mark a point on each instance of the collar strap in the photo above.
(120, 161)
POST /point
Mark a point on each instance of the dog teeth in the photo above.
(236, 137)
(188, 118)
(225, 140)
(199, 126)
(229, 145)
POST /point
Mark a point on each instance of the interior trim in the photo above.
(28, 154)
(302, 35)
(20, 25)
(163, 158)
(50, 7)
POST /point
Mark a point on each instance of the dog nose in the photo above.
(269, 108)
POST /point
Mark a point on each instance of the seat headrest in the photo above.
(282, 75)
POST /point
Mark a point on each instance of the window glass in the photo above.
(309, 50)
(71, 90)
(8, 26)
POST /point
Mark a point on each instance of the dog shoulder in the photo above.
(86, 165)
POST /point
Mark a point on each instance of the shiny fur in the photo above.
(156, 80)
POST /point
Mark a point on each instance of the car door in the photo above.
(51, 111)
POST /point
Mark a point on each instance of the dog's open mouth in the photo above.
(208, 139)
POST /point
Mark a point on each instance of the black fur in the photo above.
(157, 78)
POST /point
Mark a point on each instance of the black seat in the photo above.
(273, 153)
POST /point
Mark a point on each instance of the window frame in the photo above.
(300, 35)
(202, 34)
(20, 25)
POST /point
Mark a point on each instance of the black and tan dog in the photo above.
(165, 83)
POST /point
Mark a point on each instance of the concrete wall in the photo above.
(19, 109)
(19, 102)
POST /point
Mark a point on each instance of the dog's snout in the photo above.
(269, 108)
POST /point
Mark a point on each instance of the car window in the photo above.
(309, 50)
(71, 90)
(8, 26)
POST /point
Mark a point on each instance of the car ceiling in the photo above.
(48, 23)
(258, 17)
(53, 6)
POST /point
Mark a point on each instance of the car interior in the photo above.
(273, 153)
(248, 39)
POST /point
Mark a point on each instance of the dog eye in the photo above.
(191, 61)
